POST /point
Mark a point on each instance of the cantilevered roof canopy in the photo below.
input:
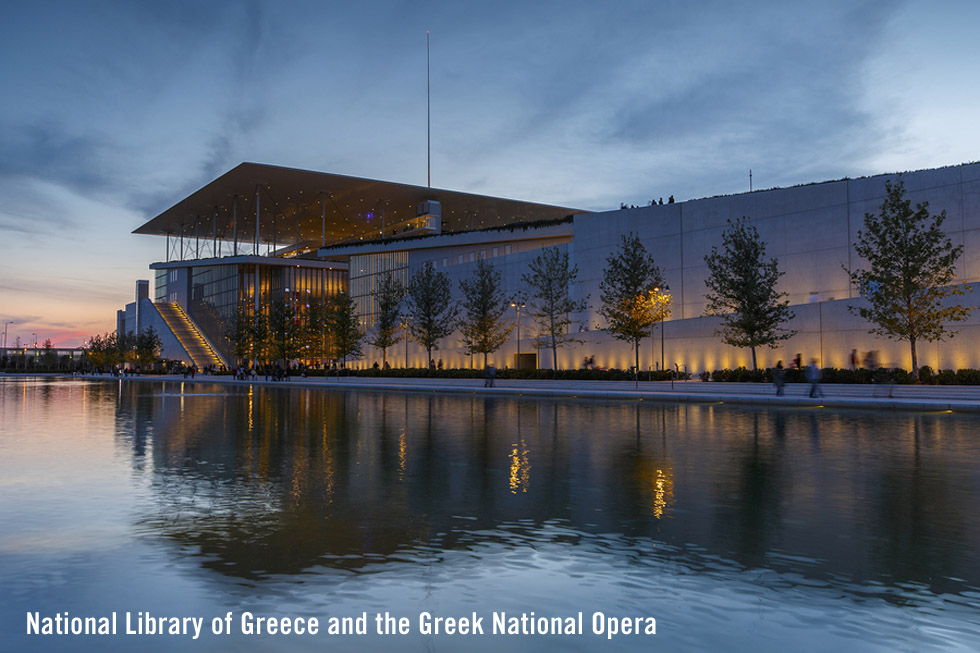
(292, 205)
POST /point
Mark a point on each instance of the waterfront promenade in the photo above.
(903, 397)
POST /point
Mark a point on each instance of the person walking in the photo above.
(489, 374)
(779, 378)
(813, 375)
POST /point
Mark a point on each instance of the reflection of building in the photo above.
(272, 480)
(319, 233)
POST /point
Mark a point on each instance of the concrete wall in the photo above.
(149, 316)
(810, 229)
(826, 331)
(170, 347)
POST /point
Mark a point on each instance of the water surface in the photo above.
(737, 529)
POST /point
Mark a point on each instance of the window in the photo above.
(496, 251)
(506, 249)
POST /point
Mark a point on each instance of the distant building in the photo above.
(260, 233)
(16, 356)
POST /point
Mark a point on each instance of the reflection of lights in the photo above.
(329, 475)
(251, 424)
(402, 454)
(663, 492)
(658, 483)
(520, 468)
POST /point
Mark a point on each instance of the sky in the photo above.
(114, 111)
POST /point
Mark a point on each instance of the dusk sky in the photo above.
(114, 111)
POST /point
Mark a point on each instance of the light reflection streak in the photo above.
(520, 467)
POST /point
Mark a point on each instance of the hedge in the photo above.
(833, 375)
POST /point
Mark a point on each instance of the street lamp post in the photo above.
(518, 305)
(5, 335)
(405, 324)
(663, 313)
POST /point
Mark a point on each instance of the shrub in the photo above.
(834, 375)
(968, 377)
(926, 375)
(741, 375)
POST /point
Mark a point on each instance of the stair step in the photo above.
(189, 336)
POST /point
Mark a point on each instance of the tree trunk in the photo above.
(754, 364)
(554, 356)
(636, 364)
(915, 361)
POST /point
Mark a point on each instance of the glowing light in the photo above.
(520, 468)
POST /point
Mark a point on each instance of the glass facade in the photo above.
(217, 290)
(160, 287)
(364, 272)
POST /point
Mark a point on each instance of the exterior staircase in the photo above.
(191, 339)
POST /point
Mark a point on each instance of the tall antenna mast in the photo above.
(750, 180)
(428, 116)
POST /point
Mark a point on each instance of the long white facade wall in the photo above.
(810, 229)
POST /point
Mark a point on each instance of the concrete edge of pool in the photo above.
(914, 398)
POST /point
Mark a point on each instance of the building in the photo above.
(254, 235)
(33, 356)
(262, 232)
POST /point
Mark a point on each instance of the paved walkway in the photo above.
(903, 397)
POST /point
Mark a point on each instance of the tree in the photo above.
(483, 325)
(388, 295)
(742, 290)
(316, 324)
(147, 346)
(430, 307)
(50, 357)
(344, 328)
(125, 348)
(283, 331)
(911, 269)
(241, 331)
(550, 280)
(260, 336)
(630, 279)
(102, 351)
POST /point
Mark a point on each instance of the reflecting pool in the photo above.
(735, 529)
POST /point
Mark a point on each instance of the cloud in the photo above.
(21, 318)
(63, 289)
(130, 127)
(663, 95)
(51, 151)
